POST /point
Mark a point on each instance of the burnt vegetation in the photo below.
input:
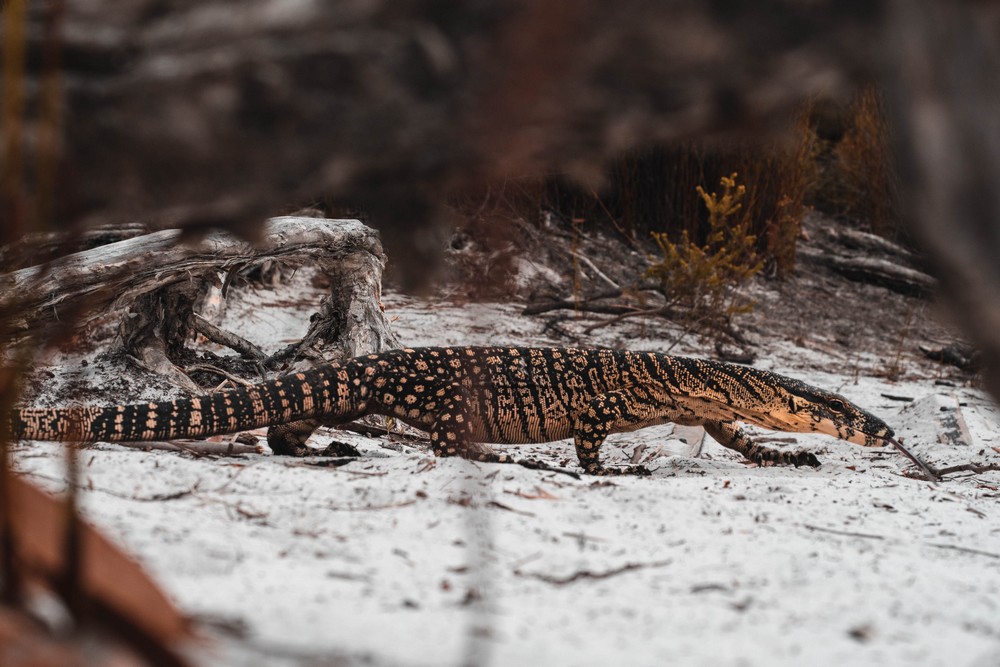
(696, 223)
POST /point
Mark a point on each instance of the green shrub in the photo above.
(700, 280)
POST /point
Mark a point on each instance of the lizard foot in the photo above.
(597, 469)
(804, 458)
(764, 456)
(334, 449)
(290, 440)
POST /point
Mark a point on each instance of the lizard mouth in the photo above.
(874, 439)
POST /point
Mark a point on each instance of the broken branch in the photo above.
(227, 339)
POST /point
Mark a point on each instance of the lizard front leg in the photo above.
(729, 434)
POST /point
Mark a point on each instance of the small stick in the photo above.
(230, 340)
(929, 472)
(621, 316)
(893, 397)
(372, 508)
(965, 550)
(532, 464)
(196, 447)
(587, 574)
(580, 256)
(582, 306)
(501, 506)
(969, 467)
(847, 533)
(935, 474)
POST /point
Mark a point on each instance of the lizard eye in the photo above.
(837, 405)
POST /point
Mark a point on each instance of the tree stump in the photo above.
(158, 282)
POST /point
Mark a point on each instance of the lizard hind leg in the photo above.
(729, 434)
(290, 440)
(451, 431)
(593, 424)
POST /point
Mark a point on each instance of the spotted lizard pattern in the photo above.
(504, 395)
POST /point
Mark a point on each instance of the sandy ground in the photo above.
(403, 559)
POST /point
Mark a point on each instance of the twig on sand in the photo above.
(870, 536)
(579, 304)
(500, 506)
(195, 447)
(933, 474)
(968, 467)
(928, 472)
(587, 574)
(582, 258)
(371, 508)
(847, 533)
(965, 550)
(532, 464)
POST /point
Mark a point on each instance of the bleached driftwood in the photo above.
(41, 247)
(156, 281)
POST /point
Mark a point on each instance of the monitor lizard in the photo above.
(504, 395)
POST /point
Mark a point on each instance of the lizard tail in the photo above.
(289, 398)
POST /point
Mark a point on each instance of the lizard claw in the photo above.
(641, 471)
(804, 458)
(338, 449)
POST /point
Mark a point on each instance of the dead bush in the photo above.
(869, 191)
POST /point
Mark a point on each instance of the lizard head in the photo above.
(802, 408)
(781, 403)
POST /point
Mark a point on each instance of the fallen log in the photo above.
(875, 271)
(885, 274)
(44, 247)
(856, 239)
